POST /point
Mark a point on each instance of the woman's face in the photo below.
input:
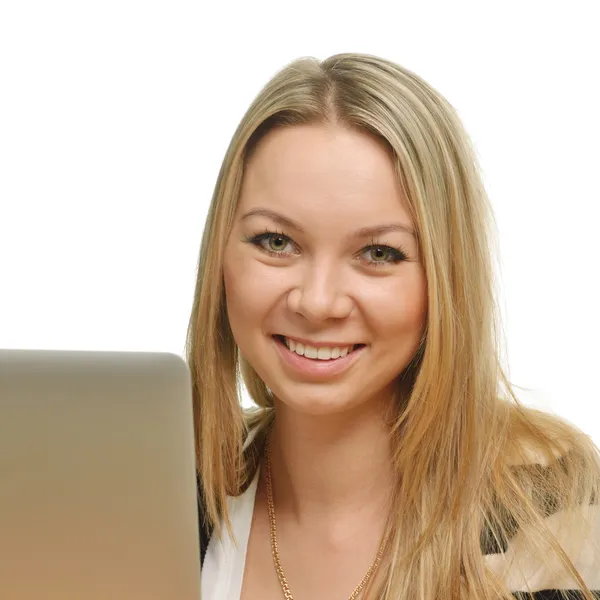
(325, 292)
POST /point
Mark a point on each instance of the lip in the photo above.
(317, 370)
(320, 344)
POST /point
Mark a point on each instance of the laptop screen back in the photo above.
(97, 477)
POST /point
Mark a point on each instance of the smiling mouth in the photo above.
(318, 354)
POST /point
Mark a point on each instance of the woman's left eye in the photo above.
(377, 255)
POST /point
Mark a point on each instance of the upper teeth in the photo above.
(321, 353)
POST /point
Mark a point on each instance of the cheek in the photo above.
(398, 307)
(237, 297)
(251, 291)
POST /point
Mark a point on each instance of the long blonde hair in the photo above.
(469, 453)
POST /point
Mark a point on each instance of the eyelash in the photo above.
(397, 254)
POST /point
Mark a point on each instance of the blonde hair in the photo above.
(471, 456)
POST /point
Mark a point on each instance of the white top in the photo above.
(223, 567)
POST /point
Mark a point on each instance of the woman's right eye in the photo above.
(273, 243)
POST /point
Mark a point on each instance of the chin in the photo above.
(318, 402)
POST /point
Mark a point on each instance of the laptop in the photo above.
(97, 477)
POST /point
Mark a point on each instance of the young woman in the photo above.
(346, 275)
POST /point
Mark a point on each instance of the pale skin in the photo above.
(318, 275)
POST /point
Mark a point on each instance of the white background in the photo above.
(115, 116)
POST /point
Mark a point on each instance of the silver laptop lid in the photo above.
(97, 477)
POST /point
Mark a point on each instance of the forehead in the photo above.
(324, 170)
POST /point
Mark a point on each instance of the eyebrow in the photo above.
(363, 232)
(274, 216)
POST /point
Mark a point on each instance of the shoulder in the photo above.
(522, 567)
(559, 480)
(256, 427)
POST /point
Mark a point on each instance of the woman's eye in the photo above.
(273, 243)
(383, 255)
(277, 243)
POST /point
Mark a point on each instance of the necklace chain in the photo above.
(275, 549)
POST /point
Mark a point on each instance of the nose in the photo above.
(319, 294)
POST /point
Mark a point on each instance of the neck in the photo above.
(331, 465)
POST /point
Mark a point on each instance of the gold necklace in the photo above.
(275, 550)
